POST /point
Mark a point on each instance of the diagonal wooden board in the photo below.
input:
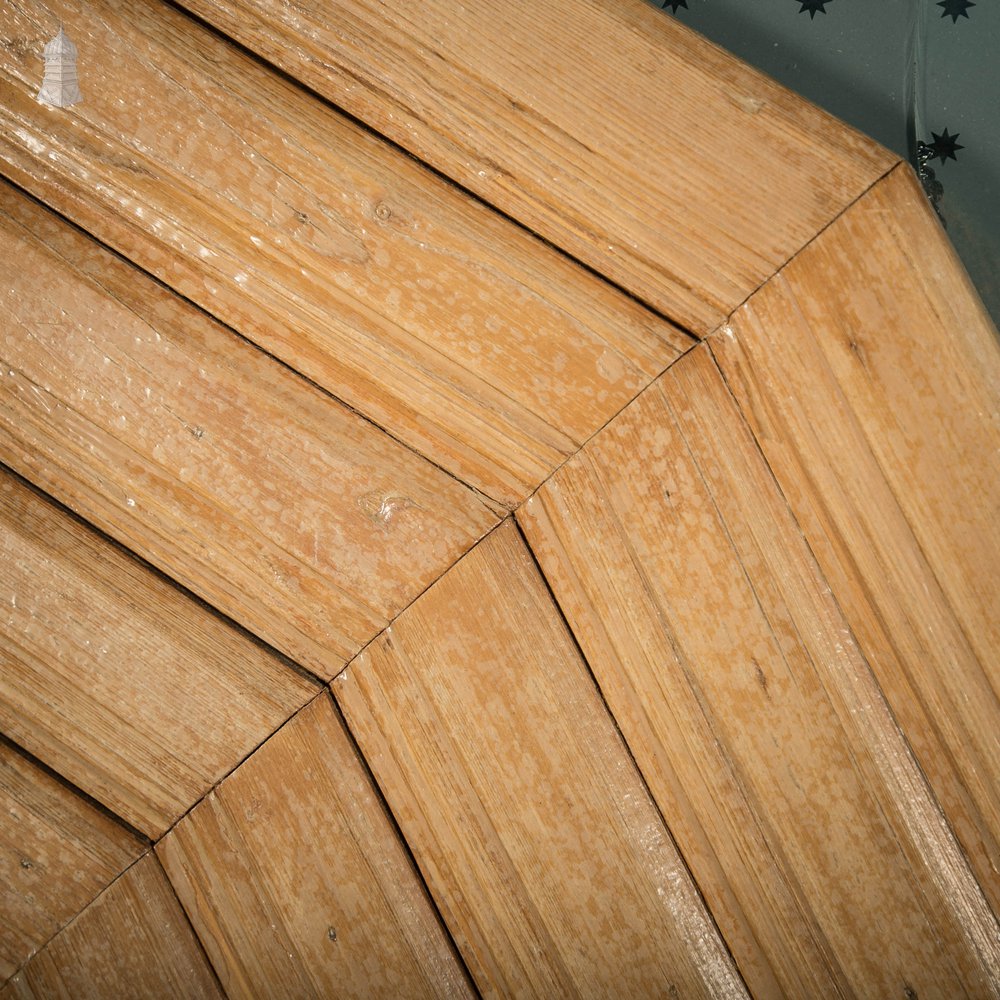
(450, 327)
(299, 885)
(115, 679)
(639, 147)
(751, 712)
(57, 852)
(522, 807)
(865, 370)
(132, 941)
(273, 502)
(870, 374)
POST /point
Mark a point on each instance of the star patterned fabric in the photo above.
(944, 147)
(813, 7)
(956, 9)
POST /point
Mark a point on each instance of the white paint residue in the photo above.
(383, 507)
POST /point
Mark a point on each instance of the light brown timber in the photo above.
(114, 678)
(751, 712)
(462, 335)
(522, 807)
(273, 502)
(57, 852)
(132, 941)
(870, 374)
(297, 882)
(618, 134)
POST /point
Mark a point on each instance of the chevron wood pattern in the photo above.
(133, 941)
(326, 247)
(397, 600)
(298, 883)
(750, 708)
(57, 852)
(522, 806)
(112, 677)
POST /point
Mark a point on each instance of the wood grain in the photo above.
(450, 327)
(276, 504)
(115, 679)
(615, 132)
(750, 710)
(870, 374)
(57, 852)
(511, 785)
(299, 885)
(133, 941)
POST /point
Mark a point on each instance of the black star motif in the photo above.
(674, 4)
(813, 7)
(944, 147)
(955, 9)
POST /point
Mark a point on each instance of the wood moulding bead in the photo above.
(620, 135)
(870, 374)
(270, 500)
(455, 330)
(57, 852)
(114, 678)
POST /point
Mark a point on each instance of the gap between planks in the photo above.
(497, 507)
(479, 199)
(430, 168)
(899, 165)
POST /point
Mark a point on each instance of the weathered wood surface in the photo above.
(273, 502)
(117, 680)
(750, 710)
(522, 807)
(449, 326)
(297, 882)
(617, 133)
(57, 852)
(870, 374)
(133, 941)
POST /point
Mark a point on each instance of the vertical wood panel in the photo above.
(56, 854)
(520, 803)
(619, 134)
(870, 374)
(297, 882)
(463, 336)
(125, 686)
(132, 941)
(272, 501)
(751, 711)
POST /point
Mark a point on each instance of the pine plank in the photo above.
(298, 884)
(615, 132)
(132, 941)
(462, 335)
(750, 710)
(117, 680)
(267, 498)
(870, 374)
(57, 852)
(522, 808)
